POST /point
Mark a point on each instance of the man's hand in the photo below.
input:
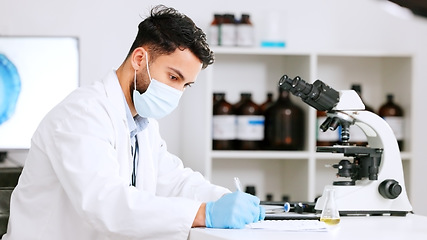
(199, 220)
(234, 210)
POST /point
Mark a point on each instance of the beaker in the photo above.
(330, 214)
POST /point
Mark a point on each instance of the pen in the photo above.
(286, 207)
(297, 207)
(237, 184)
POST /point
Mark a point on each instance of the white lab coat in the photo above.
(75, 183)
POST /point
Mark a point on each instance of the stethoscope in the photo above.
(135, 163)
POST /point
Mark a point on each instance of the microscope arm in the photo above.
(380, 135)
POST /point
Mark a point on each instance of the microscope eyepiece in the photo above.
(297, 86)
(286, 83)
(318, 95)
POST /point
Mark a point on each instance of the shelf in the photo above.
(258, 70)
(287, 51)
(7, 163)
(286, 155)
(406, 156)
(258, 51)
(260, 154)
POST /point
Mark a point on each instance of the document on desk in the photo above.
(291, 216)
(290, 225)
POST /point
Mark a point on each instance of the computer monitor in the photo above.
(36, 73)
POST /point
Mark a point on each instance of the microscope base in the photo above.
(366, 200)
(371, 213)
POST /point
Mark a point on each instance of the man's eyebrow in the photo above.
(177, 72)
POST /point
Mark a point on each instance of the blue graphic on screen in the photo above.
(10, 87)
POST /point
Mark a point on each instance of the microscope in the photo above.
(373, 175)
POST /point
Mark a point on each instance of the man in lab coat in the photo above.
(98, 168)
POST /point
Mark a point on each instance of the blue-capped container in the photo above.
(10, 88)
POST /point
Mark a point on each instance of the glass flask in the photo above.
(330, 214)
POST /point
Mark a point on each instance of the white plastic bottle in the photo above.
(245, 32)
(228, 31)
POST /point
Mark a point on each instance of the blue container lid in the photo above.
(10, 87)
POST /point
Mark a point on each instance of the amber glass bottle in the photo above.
(214, 36)
(223, 124)
(245, 32)
(268, 102)
(357, 136)
(241, 100)
(250, 124)
(393, 115)
(284, 125)
(228, 30)
(216, 96)
(236, 106)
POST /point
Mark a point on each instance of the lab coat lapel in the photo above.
(115, 95)
(146, 177)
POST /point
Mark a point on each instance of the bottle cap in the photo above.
(250, 189)
(356, 87)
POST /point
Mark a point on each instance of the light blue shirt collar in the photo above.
(135, 124)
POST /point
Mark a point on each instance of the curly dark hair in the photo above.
(166, 29)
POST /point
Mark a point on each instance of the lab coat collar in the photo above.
(131, 122)
(114, 93)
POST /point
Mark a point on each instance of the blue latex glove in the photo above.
(234, 210)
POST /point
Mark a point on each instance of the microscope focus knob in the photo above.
(390, 189)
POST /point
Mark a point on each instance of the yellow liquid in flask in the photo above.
(330, 221)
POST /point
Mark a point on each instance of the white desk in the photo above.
(411, 227)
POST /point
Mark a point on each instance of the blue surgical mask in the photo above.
(158, 100)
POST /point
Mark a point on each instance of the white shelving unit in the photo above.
(301, 175)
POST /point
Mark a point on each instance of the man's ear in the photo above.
(138, 58)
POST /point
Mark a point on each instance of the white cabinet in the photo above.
(301, 175)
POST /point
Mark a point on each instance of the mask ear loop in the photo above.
(148, 70)
(134, 80)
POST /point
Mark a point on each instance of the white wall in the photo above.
(106, 29)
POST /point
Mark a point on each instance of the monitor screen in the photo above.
(36, 73)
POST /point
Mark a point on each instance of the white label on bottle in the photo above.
(245, 35)
(357, 134)
(329, 135)
(397, 125)
(228, 35)
(224, 127)
(213, 35)
(250, 127)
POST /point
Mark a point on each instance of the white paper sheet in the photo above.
(290, 225)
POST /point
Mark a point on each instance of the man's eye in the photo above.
(173, 77)
(188, 85)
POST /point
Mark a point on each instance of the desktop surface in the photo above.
(411, 227)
